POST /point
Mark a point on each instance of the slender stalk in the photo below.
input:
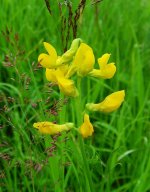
(79, 109)
(62, 145)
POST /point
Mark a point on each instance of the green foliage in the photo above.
(117, 156)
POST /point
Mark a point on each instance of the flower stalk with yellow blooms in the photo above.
(76, 63)
(67, 72)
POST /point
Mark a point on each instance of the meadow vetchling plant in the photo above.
(79, 60)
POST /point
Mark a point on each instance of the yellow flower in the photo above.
(83, 61)
(51, 60)
(48, 60)
(51, 74)
(67, 86)
(86, 128)
(51, 128)
(109, 104)
(106, 71)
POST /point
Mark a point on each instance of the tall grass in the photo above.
(117, 155)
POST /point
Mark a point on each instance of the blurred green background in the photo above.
(118, 153)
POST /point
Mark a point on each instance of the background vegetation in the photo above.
(118, 153)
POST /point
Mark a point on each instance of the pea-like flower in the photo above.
(83, 61)
(109, 104)
(57, 76)
(51, 128)
(106, 70)
(51, 60)
(86, 128)
(48, 60)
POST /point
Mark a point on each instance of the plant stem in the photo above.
(62, 145)
(79, 109)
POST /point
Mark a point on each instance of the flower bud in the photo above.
(86, 128)
(67, 57)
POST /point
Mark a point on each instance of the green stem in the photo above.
(62, 145)
(79, 109)
(78, 102)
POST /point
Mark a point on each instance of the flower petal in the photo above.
(64, 69)
(84, 59)
(102, 61)
(47, 61)
(50, 75)
(51, 50)
(67, 87)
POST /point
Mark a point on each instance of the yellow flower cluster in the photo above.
(59, 69)
(80, 60)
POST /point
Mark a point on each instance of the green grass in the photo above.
(116, 158)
